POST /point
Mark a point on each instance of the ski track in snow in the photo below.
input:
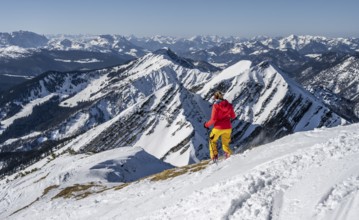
(346, 191)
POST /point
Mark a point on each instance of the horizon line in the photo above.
(186, 37)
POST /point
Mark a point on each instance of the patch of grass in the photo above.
(77, 191)
(167, 174)
(121, 186)
(196, 169)
(71, 151)
(22, 174)
(48, 189)
(42, 178)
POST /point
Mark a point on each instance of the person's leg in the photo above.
(213, 138)
(226, 139)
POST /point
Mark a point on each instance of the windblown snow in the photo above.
(307, 175)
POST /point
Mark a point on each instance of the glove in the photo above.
(204, 125)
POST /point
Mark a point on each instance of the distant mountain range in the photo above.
(25, 54)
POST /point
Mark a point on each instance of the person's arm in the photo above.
(213, 117)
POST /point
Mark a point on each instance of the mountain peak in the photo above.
(27, 39)
(168, 54)
(269, 68)
(163, 51)
(108, 37)
(293, 36)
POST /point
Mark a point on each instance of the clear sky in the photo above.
(183, 18)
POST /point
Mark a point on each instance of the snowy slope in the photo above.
(307, 175)
(14, 52)
(102, 169)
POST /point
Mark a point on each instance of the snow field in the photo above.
(261, 192)
(307, 175)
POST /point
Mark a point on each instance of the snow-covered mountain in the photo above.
(93, 43)
(30, 58)
(307, 175)
(181, 45)
(342, 79)
(268, 103)
(17, 64)
(304, 44)
(300, 49)
(23, 39)
(101, 43)
(158, 95)
(316, 44)
(234, 45)
(344, 107)
(15, 52)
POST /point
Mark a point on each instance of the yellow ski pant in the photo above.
(225, 135)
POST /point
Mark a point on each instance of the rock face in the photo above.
(158, 102)
(342, 79)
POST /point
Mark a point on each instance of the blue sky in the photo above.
(244, 18)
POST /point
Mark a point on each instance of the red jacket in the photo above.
(222, 113)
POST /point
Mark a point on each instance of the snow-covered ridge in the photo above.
(79, 61)
(15, 52)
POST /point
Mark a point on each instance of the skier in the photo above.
(222, 113)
